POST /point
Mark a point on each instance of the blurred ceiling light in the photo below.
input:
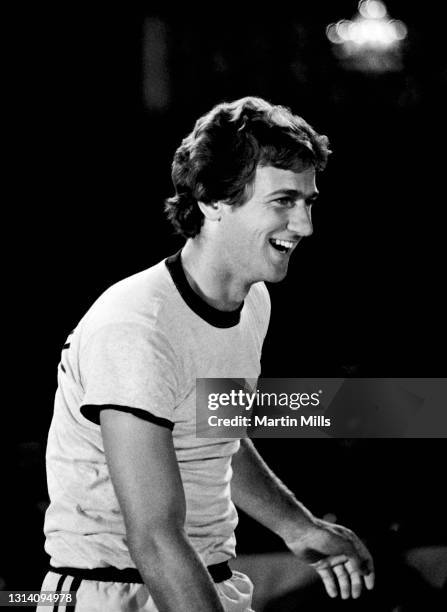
(371, 41)
(371, 9)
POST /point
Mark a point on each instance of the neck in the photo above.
(209, 277)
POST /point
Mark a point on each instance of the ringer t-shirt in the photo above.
(141, 347)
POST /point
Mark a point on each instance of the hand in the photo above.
(340, 558)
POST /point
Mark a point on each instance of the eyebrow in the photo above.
(294, 193)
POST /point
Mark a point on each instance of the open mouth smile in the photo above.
(282, 246)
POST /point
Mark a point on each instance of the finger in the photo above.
(369, 580)
(356, 580)
(362, 561)
(355, 574)
(354, 569)
(344, 581)
(365, 561)
(328, 579)
(367, 569)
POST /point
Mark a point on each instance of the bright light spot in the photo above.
(388, 34)
(377, 10)
(372, 9)
(343, 27)
(377, 32)
(400, 29)
(370, 32)
(370, 40)
(332, 34)
(354, 33)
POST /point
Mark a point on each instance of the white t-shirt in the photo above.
(141, 346)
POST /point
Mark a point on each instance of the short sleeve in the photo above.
(131, 366)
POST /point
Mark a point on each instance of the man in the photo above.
(141, 514)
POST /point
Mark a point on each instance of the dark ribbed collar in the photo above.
(213, 316)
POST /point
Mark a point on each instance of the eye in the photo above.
(285, 201)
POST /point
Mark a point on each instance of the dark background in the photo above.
(103, 100)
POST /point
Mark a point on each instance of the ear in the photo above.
(212, 211)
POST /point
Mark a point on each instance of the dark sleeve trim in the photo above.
(91, 413)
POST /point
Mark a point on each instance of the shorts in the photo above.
(99, 596)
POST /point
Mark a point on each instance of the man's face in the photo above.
(258, 237)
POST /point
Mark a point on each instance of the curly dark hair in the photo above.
(218, 160)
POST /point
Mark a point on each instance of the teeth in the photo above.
(285, 243)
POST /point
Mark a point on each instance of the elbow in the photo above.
(156, 551)
(155, 539)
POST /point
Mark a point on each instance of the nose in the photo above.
(300, 220)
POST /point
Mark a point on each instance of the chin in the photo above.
(278, 278)
(275, 276)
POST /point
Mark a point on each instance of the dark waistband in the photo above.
(219, 572)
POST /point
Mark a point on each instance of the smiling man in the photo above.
(142, 512)
(240, 245)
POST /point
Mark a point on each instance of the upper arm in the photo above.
(115, 364)
(144, 471)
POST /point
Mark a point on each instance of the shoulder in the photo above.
(143, 288)
(138, 299)
(136, 311)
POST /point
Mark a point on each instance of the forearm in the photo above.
(341, 559)
(147, 481)
(259, 493)
(173, 572)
